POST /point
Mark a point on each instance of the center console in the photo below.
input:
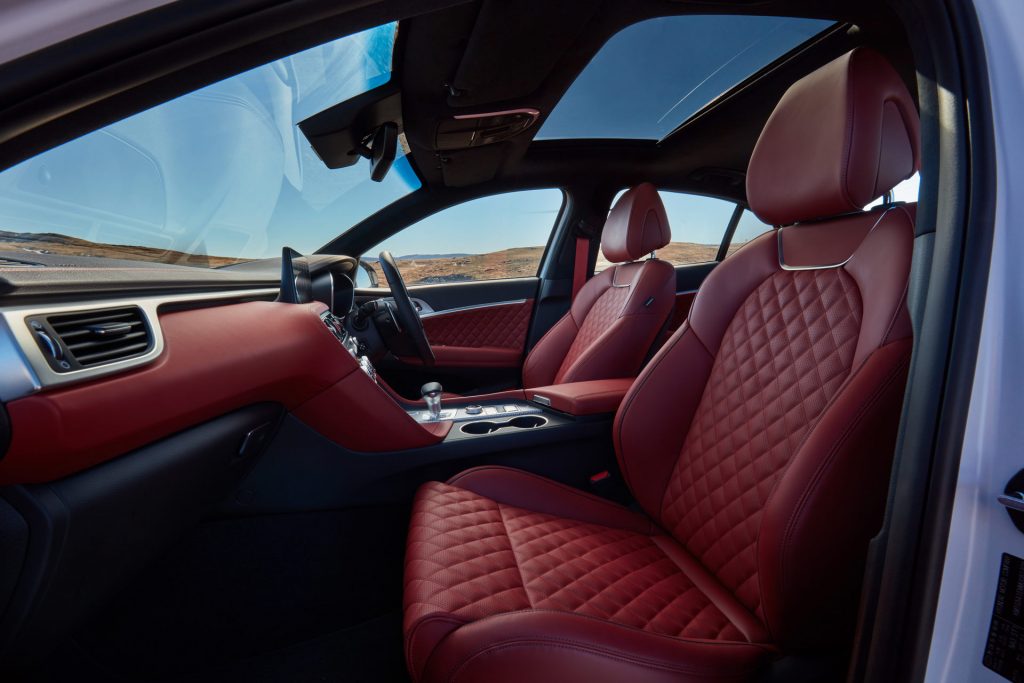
(460, 418)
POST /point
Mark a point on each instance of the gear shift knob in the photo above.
(431, 393)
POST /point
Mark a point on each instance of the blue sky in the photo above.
(518, 219)
(653, 75)
(225, 170)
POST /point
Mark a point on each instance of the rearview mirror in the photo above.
(383, 149)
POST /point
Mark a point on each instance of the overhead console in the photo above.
(474, 130)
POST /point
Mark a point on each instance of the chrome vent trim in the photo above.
(25, 368)
(94, 338)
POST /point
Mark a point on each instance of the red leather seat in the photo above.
(617, 314)
(757, 443)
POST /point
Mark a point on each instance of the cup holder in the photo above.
(486, 427)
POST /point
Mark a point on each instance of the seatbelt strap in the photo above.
(579, 269)
(585, 232)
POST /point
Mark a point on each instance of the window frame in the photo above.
(546, 253)
(730, 227)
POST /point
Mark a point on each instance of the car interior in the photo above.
(468, 340)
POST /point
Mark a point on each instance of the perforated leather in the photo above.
(786, 353)
(605, 311)
(470, 557)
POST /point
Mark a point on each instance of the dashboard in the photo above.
(50, 339)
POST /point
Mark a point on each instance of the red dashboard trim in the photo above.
(215, 360)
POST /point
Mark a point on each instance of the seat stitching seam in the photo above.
(566, 644)
(515, 555)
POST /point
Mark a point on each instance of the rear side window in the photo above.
(698, 226)
(747, 229)
(489, 238)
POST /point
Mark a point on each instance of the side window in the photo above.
(698, 225)
(493, 237)
(747, 229)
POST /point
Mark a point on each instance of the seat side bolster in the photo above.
(655, 415)
(565, 647)
(421, 635)
(521, 489)
(828, 504)
(544, 360)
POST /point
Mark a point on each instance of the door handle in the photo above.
(1013, 500)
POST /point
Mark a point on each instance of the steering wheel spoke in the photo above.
(408, 318)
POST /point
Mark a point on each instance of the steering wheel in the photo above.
(408, 318)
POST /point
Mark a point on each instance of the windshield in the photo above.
(216, 177)
(654, 75)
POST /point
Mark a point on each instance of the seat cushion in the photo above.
(497, 541)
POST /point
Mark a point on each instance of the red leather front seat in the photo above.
(757, 443)
(617, 314)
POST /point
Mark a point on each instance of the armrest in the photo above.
(583, 398)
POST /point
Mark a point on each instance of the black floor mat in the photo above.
(296, 597)
(353, 655)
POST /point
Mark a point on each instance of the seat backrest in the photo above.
(618, 313)
(761, 435)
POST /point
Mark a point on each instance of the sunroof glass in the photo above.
(654, 75)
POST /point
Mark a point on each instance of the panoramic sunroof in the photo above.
(652, 76)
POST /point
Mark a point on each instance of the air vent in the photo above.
(86, 339)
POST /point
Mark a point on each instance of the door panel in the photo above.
(473, 267)
(477, 331)
(491, 335)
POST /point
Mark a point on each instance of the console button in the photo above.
(474, 409)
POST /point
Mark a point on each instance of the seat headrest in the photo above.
(838, 139)
(636, 225)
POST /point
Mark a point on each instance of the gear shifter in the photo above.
(431, 393)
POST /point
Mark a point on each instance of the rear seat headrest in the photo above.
(636, 226)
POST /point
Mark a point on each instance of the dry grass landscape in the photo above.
(518, 262)
(418, 269)
(23, 245)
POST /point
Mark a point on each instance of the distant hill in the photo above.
(517, 262)
(430, 256)
(50, 243)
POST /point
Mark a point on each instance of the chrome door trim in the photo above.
(461, 309)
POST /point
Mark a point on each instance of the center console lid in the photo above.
(594, 397)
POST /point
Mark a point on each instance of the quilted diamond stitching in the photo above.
(459, 559)
(605, 311)
(471, 557)
(494, 326)
(612, 574)
(783, 357)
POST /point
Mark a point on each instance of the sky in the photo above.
(515, 219)
(225, 171)
(653, 75)
(222, 171)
